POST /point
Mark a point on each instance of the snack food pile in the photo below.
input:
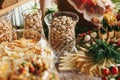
(25, 54)
(25, 59)
(98, 49)
(62, 32)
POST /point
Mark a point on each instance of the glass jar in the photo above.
(6, 25)
(26, 53)
(32, 20)
(62, 29)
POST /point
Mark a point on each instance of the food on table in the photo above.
(110, 27)
(105, 71)
(32, 20)
(109, 19)
(92, 59)
(25, 59)
(98, 51)
(102, 34)
(62, 32)
(112, 73)
(90, 5)
(87, 38)
(93, 10)
(5, 26)
(118, 16)
(93, 34)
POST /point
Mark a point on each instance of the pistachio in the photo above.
(61, 32)
(5, 26)
(33, 21)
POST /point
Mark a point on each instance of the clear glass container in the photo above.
(33, 20)
(61, 29)
(70, 74)
(5, 22)
(7, 16)
(29, 48)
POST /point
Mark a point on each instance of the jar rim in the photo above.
(25, 11)
(74, 16)
(7, 15)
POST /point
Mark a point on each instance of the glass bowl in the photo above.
(26, 53)
(20, 33)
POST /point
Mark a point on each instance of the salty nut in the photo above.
(63, 27)
(87, 38)
(33, 21)
(93, 34)
(5, 26)
(87, 45)
(61, 31)
(93, 42)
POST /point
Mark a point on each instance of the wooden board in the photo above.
(7, 3)
(5, 10)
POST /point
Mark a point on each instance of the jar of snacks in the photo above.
(32, 20)
(61, 30)
(5, 25)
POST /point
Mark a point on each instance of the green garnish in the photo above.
(52, 9)
(110, 28)
(35, 6)
(23, 63)
(104, 23)
(116, 28)
(103, 31)
(101, 51)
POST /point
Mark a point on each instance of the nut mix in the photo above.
(62, 32)
(32, 20)
(5, 26)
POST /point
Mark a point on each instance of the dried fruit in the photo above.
(31, 69)
(21, 70)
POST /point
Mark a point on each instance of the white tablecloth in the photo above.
(73, 76)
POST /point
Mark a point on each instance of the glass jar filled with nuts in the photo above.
(32, 20)
(5, 26)
(62, 29)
